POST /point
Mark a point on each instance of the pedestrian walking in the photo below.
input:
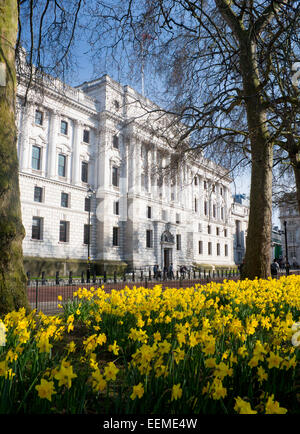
(171, 272)
(274, 269)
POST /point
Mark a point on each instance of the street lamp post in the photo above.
(286, 250)
(89, 196)
(287, 267)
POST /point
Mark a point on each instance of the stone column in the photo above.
(52, 157)
(154, 172)
(76, 152)
(148, 167)
(137, 159)
(24, 158)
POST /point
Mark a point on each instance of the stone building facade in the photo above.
(239, 216)
(289, 213)
(107, 137)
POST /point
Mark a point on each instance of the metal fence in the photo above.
(43, 292)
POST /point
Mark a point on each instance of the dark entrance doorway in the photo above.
(167, 257)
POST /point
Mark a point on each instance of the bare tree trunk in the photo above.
(258, 243)
(12, 276)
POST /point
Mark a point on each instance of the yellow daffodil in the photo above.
(45, 389)
(110, 371)
(98, 382)
(176, 392)
(114, 348)
(272, 407)
(137, 391)
(274, 360)
(65, 375)
(243, 407)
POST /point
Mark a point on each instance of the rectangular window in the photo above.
(225, 232)
(200, 247)
(38, 117)
(222, 213)
(84, 171)
(64, 200)
(205, 208)
(208, 229)
(149, 212)
(37, 228)
(115, 176)
(64, 127)
(38, 194)
(86, 136)
(178, 242)
(214, 211)
(195, 205)
(115, 236)
(196, 180)
(205, 185)
(177, 218)
(116, 141)
(209, 245)
(226, 249)
(64, 231)
(149, 238)
(62, 160)
(86, 234)
(87, 204)
(238, 233)
(217, 231)
(218, 249)
(116, 207)
(36, 158)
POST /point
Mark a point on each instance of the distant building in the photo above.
(289, 213)
(96, 135)
(276, 246)
(239, 218)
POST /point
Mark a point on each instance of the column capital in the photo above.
(54, 112)
(78, 122)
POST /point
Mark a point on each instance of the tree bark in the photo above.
(258, 243)
(12, 275)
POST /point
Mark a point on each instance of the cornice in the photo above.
(52, 181)
(57, 96)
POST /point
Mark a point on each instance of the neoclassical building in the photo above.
(290, 222)
(106, 138)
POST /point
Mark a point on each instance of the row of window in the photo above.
(36, 163)
(64, 126)
(206, 186)
(39, 196)
(64, 236)
(64, 230)
(210, 248)
(206, 209)
(65, 203)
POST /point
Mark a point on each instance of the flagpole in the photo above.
(142, 70)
